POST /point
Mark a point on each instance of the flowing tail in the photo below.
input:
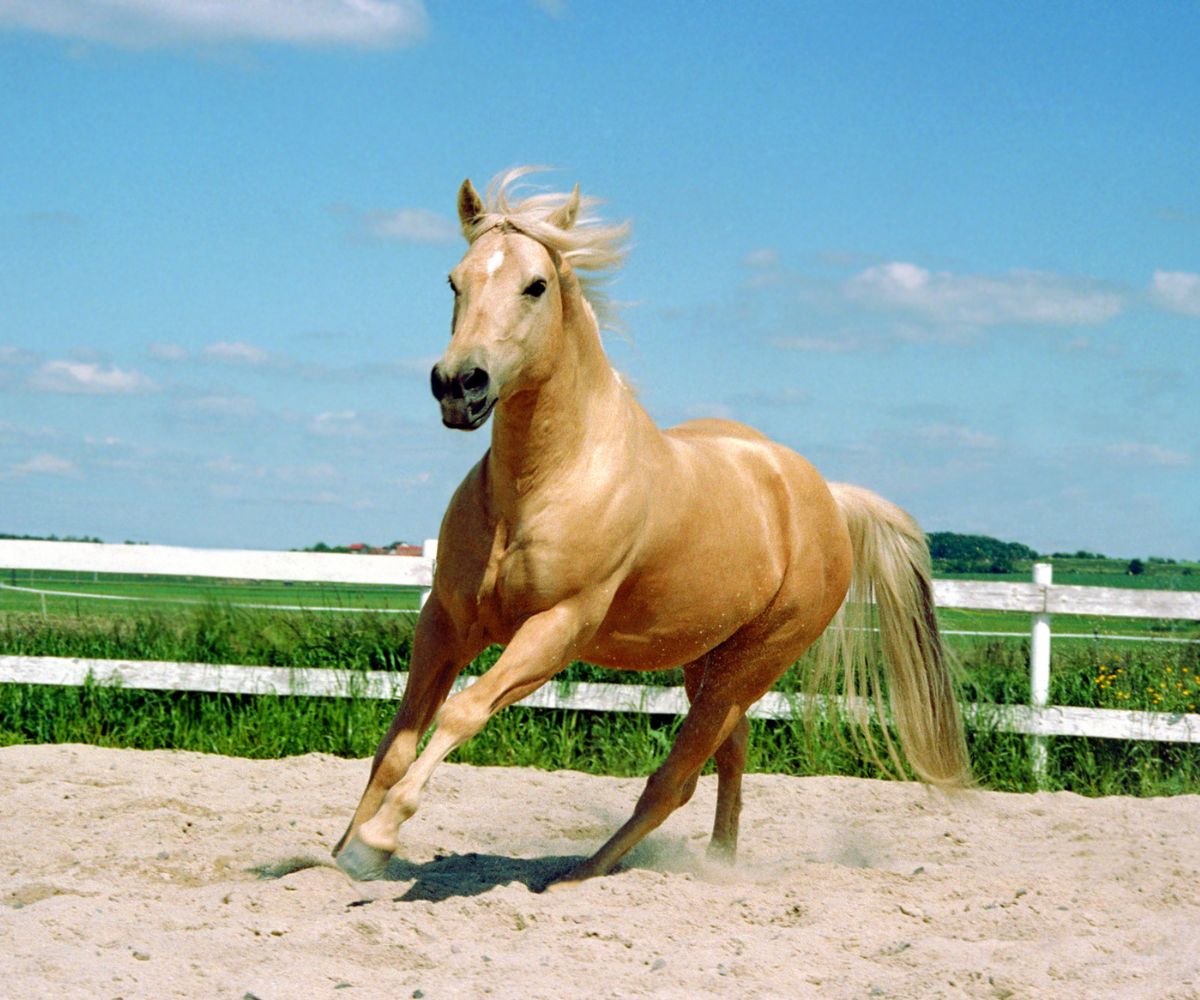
(891, 590)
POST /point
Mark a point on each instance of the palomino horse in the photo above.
(585, 532)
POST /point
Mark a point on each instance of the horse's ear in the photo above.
(470, 206)
(564, 217)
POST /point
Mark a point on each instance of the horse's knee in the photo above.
(393, 763)
(664, 792)
(688, 789)
(731, 755)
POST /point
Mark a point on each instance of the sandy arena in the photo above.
(134, 874)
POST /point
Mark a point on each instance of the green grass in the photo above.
(1087, 673)
(138, 592)
(599, 743)
(173, 596)
(216, 633)
(1098, 573)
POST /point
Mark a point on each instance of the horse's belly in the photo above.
(647, 651)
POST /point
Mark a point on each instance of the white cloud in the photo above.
(315, 472)
(764, 257)
(169, 352)
(10, 355)
(24, 432)
(819, 345)
(788, 395)
(218, 405)
(957, 435)
(1178, 291)
(236, 352)
(147, 23)
(227, 465)
(1142, 453)
(1019, 297)
(45, 464)
(342, 423)
(88, 378)
(409, 225)
(708, 411)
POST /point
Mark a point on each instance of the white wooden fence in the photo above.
(1040, 598)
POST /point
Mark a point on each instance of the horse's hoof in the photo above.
(570, 879)
(362, 862)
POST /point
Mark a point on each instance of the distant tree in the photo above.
(50, 538)
(1135, 568)
(955, 553)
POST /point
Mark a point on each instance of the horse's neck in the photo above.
(544, 433)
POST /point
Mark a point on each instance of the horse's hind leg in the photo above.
(711, 719)
(731, 763)
(722, 686)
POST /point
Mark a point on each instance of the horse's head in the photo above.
(507, 312)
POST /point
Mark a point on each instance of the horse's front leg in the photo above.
(438, 655)
(543, 645)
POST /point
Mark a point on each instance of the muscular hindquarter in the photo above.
(748, 533)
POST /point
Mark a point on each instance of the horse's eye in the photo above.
(535, 288)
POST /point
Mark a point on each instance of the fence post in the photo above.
(429, 551)
(1039, 670)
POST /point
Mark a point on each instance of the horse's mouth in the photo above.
(467, 414)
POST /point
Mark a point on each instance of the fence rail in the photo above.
(223, 564)
(159, 675)
(1040, 598)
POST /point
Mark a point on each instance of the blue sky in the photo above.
(949, 252)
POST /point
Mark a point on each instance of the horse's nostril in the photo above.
(438, 383)
(474, 381)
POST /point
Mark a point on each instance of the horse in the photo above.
(586, 532)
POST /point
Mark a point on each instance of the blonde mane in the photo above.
(591, 246)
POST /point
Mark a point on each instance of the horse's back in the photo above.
(776, 469)
(770, 471)
(716, 428)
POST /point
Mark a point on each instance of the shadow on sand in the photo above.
(446, 876)
(473, 874)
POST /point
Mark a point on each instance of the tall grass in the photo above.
(1088, 673)
(218, 633)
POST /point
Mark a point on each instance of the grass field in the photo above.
(78, 596)
(1101, 571)
(200, 620)
(1092, 672)
(97, 594)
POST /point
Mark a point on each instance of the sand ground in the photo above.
(166, 874)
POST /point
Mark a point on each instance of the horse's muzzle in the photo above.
(467, 397)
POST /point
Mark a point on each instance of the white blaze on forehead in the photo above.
(494, 262)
